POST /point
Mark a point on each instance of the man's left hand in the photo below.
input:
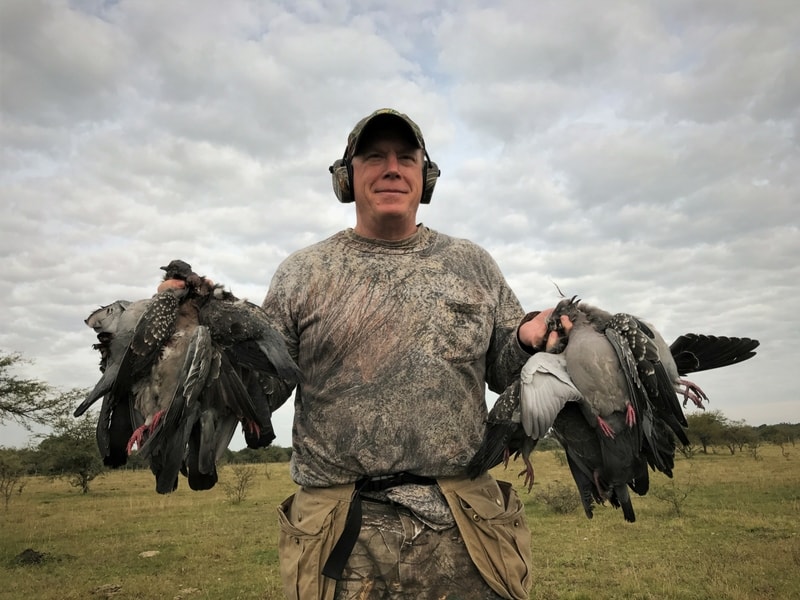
(533, 333)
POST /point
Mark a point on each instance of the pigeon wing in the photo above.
(545, 389)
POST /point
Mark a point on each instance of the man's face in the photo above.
(387, 181)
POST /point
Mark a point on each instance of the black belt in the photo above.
(352, 526)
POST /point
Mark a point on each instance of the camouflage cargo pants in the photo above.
(397, 556)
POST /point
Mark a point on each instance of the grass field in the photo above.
(735, 535)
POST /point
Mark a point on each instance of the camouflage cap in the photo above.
(382, 113)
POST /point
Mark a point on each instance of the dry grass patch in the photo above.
(736, 537)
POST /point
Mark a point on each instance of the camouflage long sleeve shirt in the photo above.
(396, 341)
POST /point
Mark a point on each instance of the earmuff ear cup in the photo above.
(340, 178)
(430, 174)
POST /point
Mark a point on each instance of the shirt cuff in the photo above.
(529, 349)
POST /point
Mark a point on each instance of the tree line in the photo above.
(70, 453)
(70, 450)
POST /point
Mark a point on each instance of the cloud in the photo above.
(642, 156)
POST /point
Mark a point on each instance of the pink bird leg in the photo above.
(528, 472)
(605, 427)
(252, 427)
(137, 439)
(692, 391)
(630, 415)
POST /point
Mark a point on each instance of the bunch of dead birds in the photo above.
(609, 393)
(180, 372)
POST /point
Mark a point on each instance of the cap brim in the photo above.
(381, 117)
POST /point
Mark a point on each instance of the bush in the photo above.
(71, 454)
(675, 495)
(560, 498)
(243, 475)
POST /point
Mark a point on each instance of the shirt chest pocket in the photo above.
(463, 330)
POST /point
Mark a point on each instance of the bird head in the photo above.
(178, 269)
(106, 317)
(568, 307)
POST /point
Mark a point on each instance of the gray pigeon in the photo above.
(179, 378)
(114, 325)
(615, 409)
(689, 353)
(628, 378)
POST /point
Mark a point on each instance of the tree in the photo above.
(706, 428)
(12, 472)
(781, 433)
(270, 454)
(547, 443)
(737, 434)
(28, 401)
(71, 453)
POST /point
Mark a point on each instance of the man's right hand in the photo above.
(171, 284)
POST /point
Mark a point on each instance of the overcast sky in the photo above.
(643, 156)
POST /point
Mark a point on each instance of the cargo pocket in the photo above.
(491, 519)
(310, 522)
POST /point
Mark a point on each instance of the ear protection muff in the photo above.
(342, 179)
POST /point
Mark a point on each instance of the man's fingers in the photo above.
(171, 284)
(179, 284)
(566, 324)
(552, 340)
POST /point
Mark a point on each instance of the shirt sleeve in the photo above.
(276, 305)
(506, 354)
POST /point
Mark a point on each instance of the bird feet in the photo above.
(156, 420)
(691, 391)
(251, 427)
(630, 415)
(605, 427)
(138, 437)
(602, 492)
(527, 471)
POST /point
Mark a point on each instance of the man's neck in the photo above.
(386, 232)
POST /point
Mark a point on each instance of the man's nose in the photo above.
(392, 162)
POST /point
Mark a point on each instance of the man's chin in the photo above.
(398, 213)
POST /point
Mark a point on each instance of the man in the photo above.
(397, 328)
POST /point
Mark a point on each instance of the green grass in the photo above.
(735, 537)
